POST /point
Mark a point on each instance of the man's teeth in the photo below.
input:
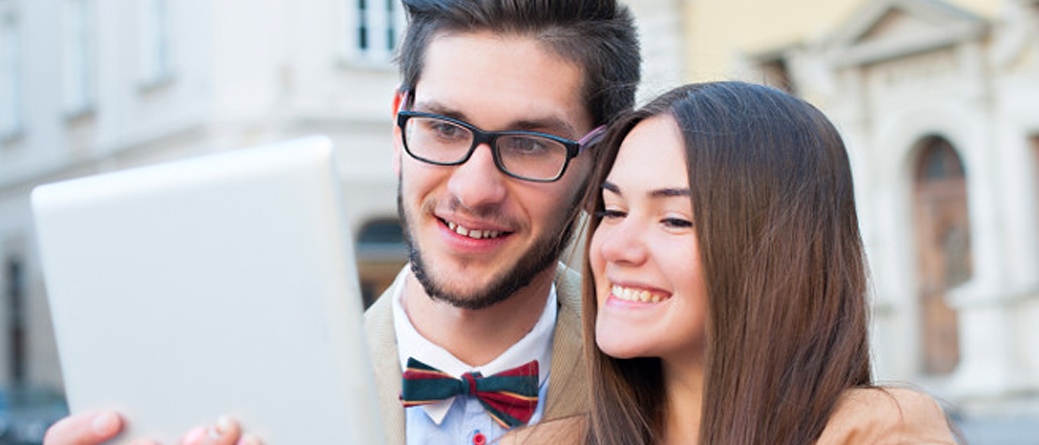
(641, 295)
(474, 234)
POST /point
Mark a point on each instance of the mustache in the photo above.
(491, 213)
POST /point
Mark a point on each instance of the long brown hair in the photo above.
(774, 210)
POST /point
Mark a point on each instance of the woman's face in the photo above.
(645, 260)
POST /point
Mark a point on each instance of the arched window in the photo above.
(943, 248)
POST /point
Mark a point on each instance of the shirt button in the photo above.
(479, 439)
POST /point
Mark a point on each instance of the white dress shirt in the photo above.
(460, 419)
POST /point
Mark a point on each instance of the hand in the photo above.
(91, 428)
(94, 428)
(225, 432)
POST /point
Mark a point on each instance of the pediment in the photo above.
(887, 29)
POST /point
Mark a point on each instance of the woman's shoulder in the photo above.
(886, 416)
(568, 430)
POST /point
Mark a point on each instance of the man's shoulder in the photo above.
(378, 318)
(568, 286)
(382, 345)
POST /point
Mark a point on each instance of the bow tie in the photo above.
(510, 396)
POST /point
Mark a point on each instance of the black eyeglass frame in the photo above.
(573, 148)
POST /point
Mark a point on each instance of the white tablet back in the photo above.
(218, 285)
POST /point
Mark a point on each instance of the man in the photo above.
(486, 215)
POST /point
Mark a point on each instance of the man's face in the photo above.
(475, 234)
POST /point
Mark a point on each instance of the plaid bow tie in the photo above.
(510, 396)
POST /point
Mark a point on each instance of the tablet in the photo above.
(218, 285)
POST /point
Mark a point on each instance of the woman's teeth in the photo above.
(474, 234)
(641, 295)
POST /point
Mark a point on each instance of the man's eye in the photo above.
(526, 146)
(444, 131)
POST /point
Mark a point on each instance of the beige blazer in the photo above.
(567, 390)
(888, 416)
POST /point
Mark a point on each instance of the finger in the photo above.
(226, 432)
(248, 439)
(91, 428)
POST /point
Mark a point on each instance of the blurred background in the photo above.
(938, 102)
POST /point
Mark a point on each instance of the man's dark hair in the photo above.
(597, 35)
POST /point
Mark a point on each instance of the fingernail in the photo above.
(248, 440)
(194, 436)
(224, 424)
(105, 424)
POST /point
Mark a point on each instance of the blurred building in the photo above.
(90, 86)
(93, 86)
(938, 103)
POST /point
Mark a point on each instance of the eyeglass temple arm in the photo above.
(591, 138)
(402, 102)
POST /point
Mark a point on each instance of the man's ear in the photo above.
(398, 141)
(398, 101)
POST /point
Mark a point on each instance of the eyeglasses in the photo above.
(527, 155)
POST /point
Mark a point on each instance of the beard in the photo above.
(543, 254)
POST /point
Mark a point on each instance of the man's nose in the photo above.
(478, 182)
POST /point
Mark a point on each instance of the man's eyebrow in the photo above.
(441, 109)
(551, 125)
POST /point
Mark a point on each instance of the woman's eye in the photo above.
(609, 214)
(677, 223)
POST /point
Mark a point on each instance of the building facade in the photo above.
(939, 108)
(92, 86)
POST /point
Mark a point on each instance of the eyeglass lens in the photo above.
(441, 141)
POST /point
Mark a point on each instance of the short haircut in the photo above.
(597, 35)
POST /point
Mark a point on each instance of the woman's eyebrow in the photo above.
(670, 192)
(666, 192)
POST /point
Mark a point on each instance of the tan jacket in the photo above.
(889, 416)
(567, 390)
(862, 417)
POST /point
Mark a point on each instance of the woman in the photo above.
(728, 300)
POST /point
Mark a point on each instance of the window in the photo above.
(376, 31)
(381, 253)
(156, 37)
(1034, 140)
(15, 293)
(78, 46)
(774, 70)
(944, 259)
(10, 77)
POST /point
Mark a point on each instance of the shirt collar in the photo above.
(536, 345)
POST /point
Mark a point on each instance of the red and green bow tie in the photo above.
(510, 396)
